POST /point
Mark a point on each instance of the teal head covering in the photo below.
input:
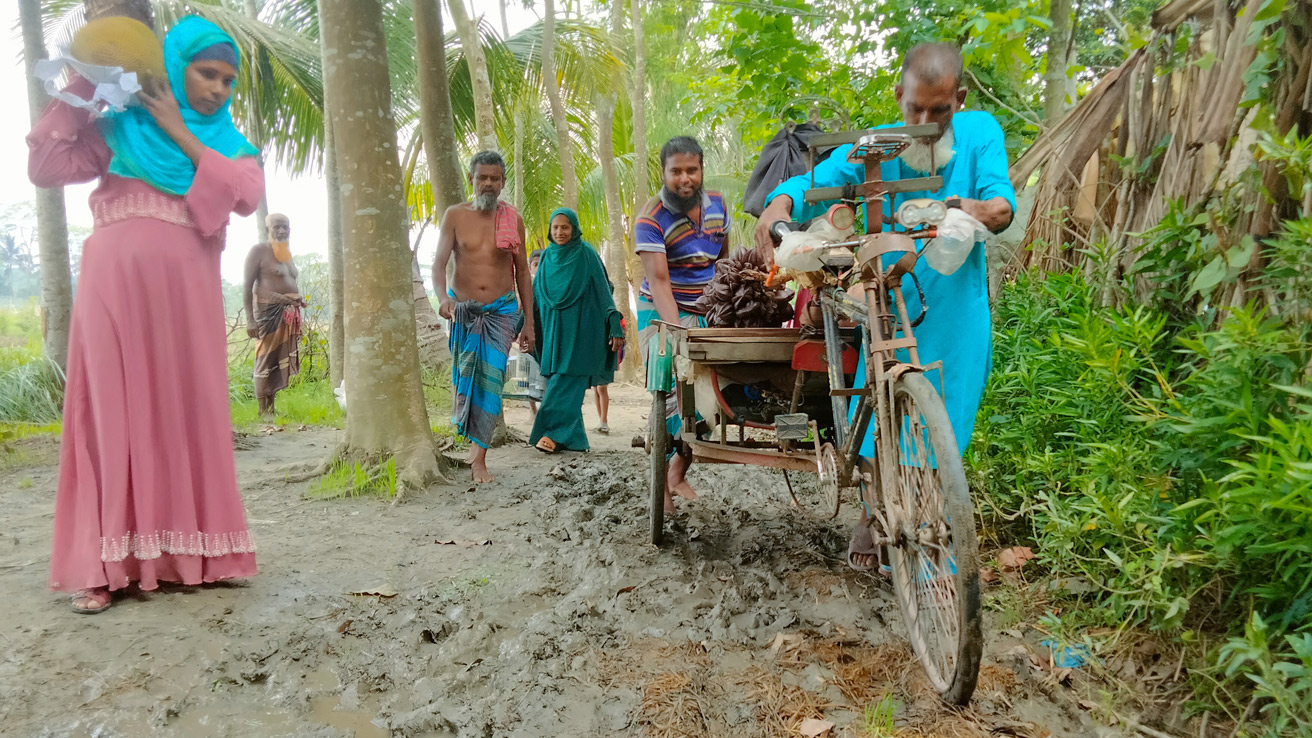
(142, 150)
(576, 315)
(567, 270)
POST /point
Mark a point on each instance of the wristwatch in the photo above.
(953, 202)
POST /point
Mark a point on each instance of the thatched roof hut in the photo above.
(1168, 125)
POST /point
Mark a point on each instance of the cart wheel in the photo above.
(934, 553)
(660, 450)
(824, 504)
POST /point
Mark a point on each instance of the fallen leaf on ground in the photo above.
(623, 590)
(345, 624)
(454, 542)
(1014, 558)
(812, 728)
(787, 641)
(987, 575)
(384, 592)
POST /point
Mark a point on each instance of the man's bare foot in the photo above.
(91, 601)
(481, 474)
(682, 489)
(478, 462)
(677, 479)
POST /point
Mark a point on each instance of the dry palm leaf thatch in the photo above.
(1160, 128)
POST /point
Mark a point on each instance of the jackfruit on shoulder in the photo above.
(119, 41)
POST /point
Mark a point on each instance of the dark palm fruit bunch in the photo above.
(737, 296)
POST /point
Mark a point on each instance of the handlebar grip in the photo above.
(781, 227)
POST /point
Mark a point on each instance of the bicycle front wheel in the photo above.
(935, 552)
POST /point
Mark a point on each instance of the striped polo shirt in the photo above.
(690, 249)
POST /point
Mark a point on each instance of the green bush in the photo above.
(1166, 461)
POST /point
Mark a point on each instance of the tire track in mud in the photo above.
(569, 623)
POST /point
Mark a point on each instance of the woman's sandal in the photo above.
(546, 445)
(100, 598)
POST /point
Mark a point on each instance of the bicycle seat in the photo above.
(876, 245)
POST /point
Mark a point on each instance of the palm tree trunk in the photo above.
(336, 286)
(615, 261)
(638, 101)
(387, 416)
(484, 116)
(505, 27)
(439, 128)
(1054, 79)
(139, 9)
(434, 351)
(255, 134)
(517, 195)
(51, 221)
(568, 180)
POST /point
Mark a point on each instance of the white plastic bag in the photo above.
(340, 394)
(115, 88)
(800, 251)
(957, 235)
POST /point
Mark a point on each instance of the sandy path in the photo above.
(566, 623)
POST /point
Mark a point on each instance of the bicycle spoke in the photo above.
(927, 563)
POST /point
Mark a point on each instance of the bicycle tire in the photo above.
(659, 465)
(935, 550)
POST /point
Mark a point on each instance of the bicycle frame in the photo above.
(881, 316)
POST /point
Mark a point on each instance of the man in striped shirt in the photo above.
(679, 235)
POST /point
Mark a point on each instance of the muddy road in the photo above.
(532, 606)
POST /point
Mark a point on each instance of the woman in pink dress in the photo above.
(147, 484)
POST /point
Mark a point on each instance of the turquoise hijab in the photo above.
(142, 150)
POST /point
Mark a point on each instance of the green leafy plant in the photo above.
(877, 717)
(1281, 678)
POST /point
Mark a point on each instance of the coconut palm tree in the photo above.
(569, 180)
(388, 417)
(52, 223)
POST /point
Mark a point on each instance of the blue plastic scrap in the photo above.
(1070, 657)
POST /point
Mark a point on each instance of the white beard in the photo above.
(918, 155)
(485, 202)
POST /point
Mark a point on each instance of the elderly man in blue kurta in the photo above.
(971, 158)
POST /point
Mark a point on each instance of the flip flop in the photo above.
(604, 429)
(548, 449)
(101, 596)
(863, 544)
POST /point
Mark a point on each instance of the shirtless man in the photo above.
(486, 236)
(273, 312)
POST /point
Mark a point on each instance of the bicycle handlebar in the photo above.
(780, 228)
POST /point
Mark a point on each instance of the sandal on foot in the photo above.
(546, 445)
(100, 598)
(863, 544)
(603, 429)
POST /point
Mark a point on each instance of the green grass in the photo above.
(31, 386)
(309, 402)
(356, 480)
(877, 717)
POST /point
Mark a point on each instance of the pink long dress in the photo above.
(147, 484)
